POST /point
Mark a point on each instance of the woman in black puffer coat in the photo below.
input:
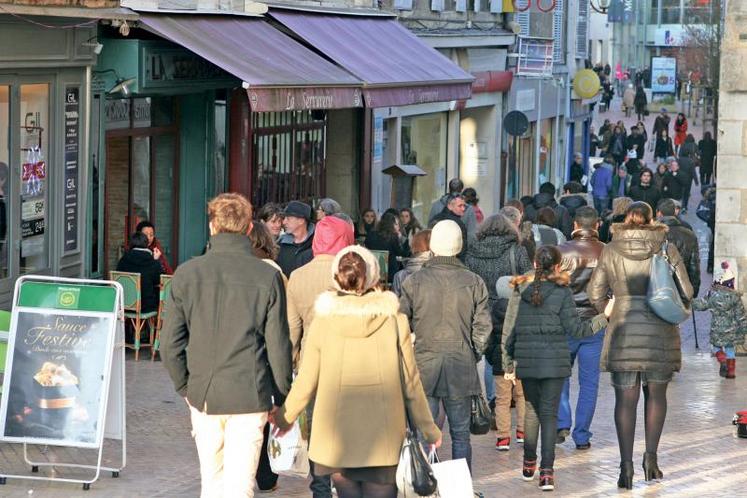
(541, 315)
(639, 347)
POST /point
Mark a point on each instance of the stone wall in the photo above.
(731, 203)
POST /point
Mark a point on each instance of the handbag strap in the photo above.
(512, 259)
(402, 382)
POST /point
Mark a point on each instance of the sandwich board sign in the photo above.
(58, 378)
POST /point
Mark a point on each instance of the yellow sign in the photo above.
(586, 83)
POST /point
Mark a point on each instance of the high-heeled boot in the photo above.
(651, 467)
(626, 475)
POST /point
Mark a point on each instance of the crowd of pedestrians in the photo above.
(288, 315)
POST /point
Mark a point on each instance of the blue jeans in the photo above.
(458, 411)
(489, 382)
(601, 204)
(587, 351)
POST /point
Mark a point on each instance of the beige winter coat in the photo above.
(353, 365)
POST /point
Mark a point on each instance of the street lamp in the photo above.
(601, 6)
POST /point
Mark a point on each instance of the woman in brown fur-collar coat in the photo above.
(639, 347)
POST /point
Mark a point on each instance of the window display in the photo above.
(424, 145)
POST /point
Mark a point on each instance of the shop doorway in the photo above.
(141, 178)
(25, 195)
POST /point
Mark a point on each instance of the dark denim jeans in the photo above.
(542, 397)
(587, 351)
(458, 412)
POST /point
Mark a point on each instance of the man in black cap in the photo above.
(295, 244)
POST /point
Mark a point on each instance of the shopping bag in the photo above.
(454, 479)
(289, 454)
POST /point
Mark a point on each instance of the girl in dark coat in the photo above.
(663, 148)
(640, 349)
(640, 102)
(541, 315)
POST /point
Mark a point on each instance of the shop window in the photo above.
(4, 186)
(35, 173)
(698, 12)
(288, 156)
(670, 11)
(545, 151)
(424, 144)
(654, 12)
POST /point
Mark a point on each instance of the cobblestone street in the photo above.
(699, 454)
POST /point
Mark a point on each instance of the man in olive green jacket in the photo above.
(226, 345)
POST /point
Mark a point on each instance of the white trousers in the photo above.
(229, 447)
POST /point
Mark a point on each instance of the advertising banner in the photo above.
(59, 363)
(663, 74)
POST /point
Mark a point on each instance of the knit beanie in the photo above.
(446, 238)
(372, 265)
(332, 234)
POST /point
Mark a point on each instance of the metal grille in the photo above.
(289, 151)
(582, 29)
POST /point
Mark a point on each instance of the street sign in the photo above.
(516, 123)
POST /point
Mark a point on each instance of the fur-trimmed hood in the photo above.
(638, 242)
(562, 279)
(362, 315)
(548, 285)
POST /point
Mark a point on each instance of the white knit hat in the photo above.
(372, 265)
(446, 238)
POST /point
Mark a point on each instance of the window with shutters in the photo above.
(558, 31)
(582, 28)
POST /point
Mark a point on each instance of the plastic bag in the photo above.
(454, 478)
(289, 454)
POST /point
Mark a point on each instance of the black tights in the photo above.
(655, 411)
(347, 488)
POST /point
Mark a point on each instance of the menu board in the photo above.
(72, 148)
(56, 385)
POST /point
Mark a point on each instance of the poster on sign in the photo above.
(663, 74)
(58, 373)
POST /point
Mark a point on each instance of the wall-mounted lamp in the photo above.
(601, 6)
(122, 85)
(95, 45)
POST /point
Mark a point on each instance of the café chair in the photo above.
(163, 296)
(130, 283)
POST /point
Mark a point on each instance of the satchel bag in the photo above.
(414, 473)
(503, 284)
(479, 422)
(663, 294)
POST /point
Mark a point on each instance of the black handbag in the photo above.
(413, 467)
(479, 422)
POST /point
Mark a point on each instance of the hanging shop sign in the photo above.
(663, 74)
(72, 154)
(303, 99)
(586, 84)
(166, 65)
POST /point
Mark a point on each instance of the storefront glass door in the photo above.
(25, 159)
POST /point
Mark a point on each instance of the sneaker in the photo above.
(547, 480)
(583, 446)
(562, 434)
(529, 470)
(503, 444)
(519, 437)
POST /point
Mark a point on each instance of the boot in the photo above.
(626, 475)
(731, 369)
(721, 357)
(651, 467)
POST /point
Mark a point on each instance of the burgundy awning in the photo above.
(279, 73)
(396, 67)
(492, 81)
